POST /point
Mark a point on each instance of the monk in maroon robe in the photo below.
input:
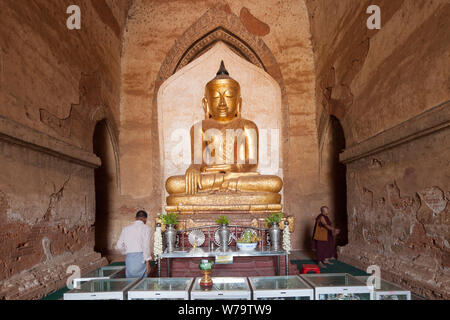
(325, 250)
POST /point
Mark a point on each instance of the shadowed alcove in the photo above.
(333, 179)
(105, 183)
(338, 180)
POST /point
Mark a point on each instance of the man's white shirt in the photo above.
(135, 238)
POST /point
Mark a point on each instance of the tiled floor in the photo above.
(301, 255)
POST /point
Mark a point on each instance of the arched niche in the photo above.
(214, 26)
(101, 114)
(179, 107)
(105, 187)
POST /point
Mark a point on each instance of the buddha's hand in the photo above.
(193, 180)
(224, 168)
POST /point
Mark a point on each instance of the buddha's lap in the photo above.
(255, 183)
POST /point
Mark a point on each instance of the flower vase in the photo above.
(275, 234)
(171, 237)
(224, 236)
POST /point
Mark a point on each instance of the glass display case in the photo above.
(103, 289)
(388, 290)
(107, 272)
(280, 288)
(161, 289)
(223, 288)
(338, 286)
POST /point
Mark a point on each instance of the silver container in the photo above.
(224, 236)
(275, 234)
(171, 237)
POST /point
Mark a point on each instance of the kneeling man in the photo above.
(134, 241)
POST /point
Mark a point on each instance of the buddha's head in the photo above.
(222, 101)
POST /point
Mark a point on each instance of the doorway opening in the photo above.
(338, 180)
(105, 185)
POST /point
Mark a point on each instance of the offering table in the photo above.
(218, 253)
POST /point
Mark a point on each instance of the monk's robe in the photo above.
(324, 249)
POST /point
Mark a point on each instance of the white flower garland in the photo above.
(286, 239)
(157, 243)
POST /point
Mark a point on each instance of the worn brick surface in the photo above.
(58, 83)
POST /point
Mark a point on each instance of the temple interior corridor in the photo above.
(350, 117)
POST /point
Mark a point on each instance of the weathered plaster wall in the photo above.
(279, 32)
(54, 85)
(47, 212)
(398, 213)
(372, 80)
(386, 87)
(38, 50)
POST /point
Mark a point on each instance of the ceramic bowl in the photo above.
(247, 246)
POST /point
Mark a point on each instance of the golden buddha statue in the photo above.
(224, 155)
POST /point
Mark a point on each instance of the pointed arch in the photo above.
(97, 116)
(203, 44)
(217, 25)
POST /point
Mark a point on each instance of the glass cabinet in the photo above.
(161, 289)
(106, 272)
(388, 290)
(223, 288)
(280, 288)
(338, 286)
(103, 289)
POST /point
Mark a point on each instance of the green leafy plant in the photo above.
(169, 218)
(223, 220)
(248, 237)
(274, 218)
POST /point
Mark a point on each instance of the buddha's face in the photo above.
(222, 99)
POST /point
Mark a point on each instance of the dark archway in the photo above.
(338, 180)
(105, 184)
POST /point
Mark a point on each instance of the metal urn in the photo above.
(171, 237)
(224, 237)
(275, 235)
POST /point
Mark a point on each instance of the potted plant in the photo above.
(248, 240)
(223, 220)
(170, 220)
(224, 233)
(274, 230)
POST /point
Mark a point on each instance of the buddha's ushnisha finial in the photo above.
(222, 69)
(222, 73)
